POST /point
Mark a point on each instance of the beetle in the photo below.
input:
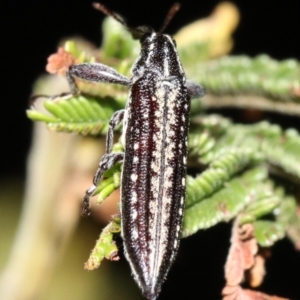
(155, 140)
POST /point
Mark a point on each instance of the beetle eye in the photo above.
(145, 36)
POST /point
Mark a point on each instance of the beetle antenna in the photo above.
(171, 13)
(110, 13)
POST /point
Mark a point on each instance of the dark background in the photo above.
(30, 31)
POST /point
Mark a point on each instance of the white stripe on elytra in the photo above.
(159, 188)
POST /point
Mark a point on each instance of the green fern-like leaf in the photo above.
(260, 83)
(217, 175)
(268, 232)
(105, 246)
(283, 150)
(111, 181)
(288, 215)
(265, 141)
(80, 114)
(261, 75)
(225, 203)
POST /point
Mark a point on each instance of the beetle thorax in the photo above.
(159, 55)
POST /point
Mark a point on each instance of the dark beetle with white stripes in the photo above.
(155, 133)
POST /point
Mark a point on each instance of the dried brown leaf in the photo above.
(234, 267)
(237, 294)
(257, 273)
(241, 253)
(248, 245)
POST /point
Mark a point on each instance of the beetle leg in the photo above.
(115, 120)
(107, 161)
(94, 72)
(194, 90)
